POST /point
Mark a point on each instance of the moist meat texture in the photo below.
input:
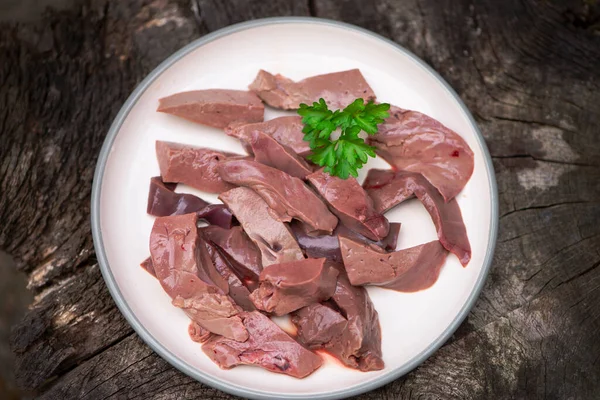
(198, 333)
(289, 286)
(328, 246)
(179, 262)
(338, 89)
(273, 238)
(388, 188)
(236, 288)
(269, 151)
(358, 344)
(214, 107)
(243, 255)
(286, 130)
(163, 201)
(287, 197)
(193, 166)
(407, 270)
(267, 347)
(348, 200)
(414, 142)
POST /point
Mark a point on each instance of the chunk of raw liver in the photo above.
(267, 347)
(193, 166)
(388, 188)
(287, 197)
(214, 107)
(273, 238)
(338, 89)
(407, 270)
(290, 286)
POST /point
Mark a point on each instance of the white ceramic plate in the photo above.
(413, 325)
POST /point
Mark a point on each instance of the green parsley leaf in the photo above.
(346, 155)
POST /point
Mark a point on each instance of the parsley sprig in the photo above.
(346, 155)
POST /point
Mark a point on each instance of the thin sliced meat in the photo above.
(193, 166)
(177, 257)
(243, 255)
(214, 107)
(319, 325)
(338, 89)
(273, 238)
(407, 270)
(286, 196)
(328, 246)
(286, 130)
(163, 201)
(414, 142)
(348, 200)
(290, 286)
(236, 289)
(267, 347)
(269, 151)
(388, 188)
(358, 344)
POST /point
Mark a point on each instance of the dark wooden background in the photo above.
(528, 70)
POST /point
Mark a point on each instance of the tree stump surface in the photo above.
(528, 70)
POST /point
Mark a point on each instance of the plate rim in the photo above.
(206, 378)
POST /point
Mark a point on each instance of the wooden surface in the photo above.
(528, 70)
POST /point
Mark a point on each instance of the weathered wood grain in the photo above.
(528, 70)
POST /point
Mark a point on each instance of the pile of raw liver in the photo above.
(290, 238)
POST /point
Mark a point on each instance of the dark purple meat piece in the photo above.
(243, 255)
(270, 152)
(318, 325)
(358, 343)
(193, 166)
(407, 270)
(214, 107)
(273, 238)
(286, 130)
(236, 289)
(337, 88)
(414, 142)
(351, 204)
(328, 246)
(163, 201)
(286, 196)
(289, 286)
(267, 347)
(179, 261)
(388, 188)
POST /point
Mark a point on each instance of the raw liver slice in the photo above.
(388, 188)
(407, 270)
(286, 130)
(414, 142)
(214, 107)
(358, 343)
(290, 286)
(163, 201)
(270, 152)
(287, 197)
(328, 246)
(273, 238)
(351, 204)
(193, 166)
(176, 252)
(243, 255)
(267, 347)
(338, 89)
